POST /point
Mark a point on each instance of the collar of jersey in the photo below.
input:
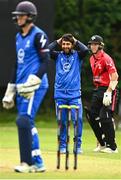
(99, 55)
(29, 32)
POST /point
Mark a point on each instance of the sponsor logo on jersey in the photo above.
(27, 44)
(20, 56)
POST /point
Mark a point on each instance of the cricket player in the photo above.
(29, 84)
(67, 88)
(105, 79)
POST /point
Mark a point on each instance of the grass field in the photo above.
(90, 165)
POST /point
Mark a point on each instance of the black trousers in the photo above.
(101, 119)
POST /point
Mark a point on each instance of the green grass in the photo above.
(90, 165)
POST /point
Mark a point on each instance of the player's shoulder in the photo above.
(91, 58)
(107, 57)
(39, 31)
(18, 35)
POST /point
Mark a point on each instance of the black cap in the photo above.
(96, 39)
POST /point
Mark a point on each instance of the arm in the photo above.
(107, 99)
(113, 81)
(83, 50)
(41, 43)
(113, 75)
(53, 46)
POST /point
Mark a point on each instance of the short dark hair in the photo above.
(68, 37)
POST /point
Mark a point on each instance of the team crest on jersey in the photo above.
(20, 56)
(66, 67)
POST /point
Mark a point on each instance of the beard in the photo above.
(67, 50)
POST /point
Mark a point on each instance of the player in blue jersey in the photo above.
(29, 84)
(68, 80)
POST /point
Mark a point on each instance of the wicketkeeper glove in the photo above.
(8, 99)
(107, 98)
(28, 88)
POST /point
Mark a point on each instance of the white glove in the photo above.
(107, 98)
(8, 99)
(27, 89)
(27, 95)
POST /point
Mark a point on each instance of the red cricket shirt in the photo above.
(102, 66)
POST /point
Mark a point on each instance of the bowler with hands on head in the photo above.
(67, 87)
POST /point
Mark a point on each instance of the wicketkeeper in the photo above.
(29, 84)
(105, 79)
